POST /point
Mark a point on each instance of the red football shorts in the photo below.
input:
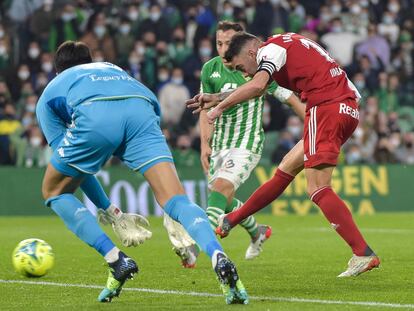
(326, 129)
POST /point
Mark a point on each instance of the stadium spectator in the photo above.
(405, 154)
(156, 23)
(192, 69)
(4, 54)
(41, 22)
(65, 27)
(124, 40)
(375, 47)
(97, 37)
(172, 96)
(8, 125)
(340, 42)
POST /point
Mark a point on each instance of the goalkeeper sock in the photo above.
(80, 221)
(249, 224)
(217, 204)
(195, 222)
(341, 220)
(264, 195)
(112, 255)
(93, 190)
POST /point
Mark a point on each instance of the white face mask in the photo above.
(125, 29)
(3, 50)
(47, 67)
(155, 16)
(41, 82)
(140, 50)
(358, 133)
(354, 157)
(176, 80)
(325, 17)
(205, 52)
(99, 31)
(98, 59)
(162, 77)
(66, 17)
(387, 19)
(228, 12)
(355, 9)
(133, 15)
(336, 29)
(33, 53)
(23, 74)
(360, 84)
(394, 7)
(294, 130)
(35, 141)
(31, 107)
(336, 9)
(26, 121)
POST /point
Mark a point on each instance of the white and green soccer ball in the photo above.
(33, 258)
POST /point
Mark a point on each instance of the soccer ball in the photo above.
(33, 258)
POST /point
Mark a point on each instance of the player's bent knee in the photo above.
(223, 186)
(48, 191)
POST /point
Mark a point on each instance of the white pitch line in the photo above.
(201, 294)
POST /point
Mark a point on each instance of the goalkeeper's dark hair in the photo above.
(71, 53)
(227, 25)
(238, 42)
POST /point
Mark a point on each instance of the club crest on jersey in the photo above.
(215, 74)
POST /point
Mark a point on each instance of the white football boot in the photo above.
(360, 264)
(255, 247)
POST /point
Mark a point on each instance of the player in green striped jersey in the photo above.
(231, 149)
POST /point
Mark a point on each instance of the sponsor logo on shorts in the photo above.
(229, 164)
(198, 220)
(305, 158)
(61, 152)
(345, 109)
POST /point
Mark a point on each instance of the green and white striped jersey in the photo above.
(241, 125)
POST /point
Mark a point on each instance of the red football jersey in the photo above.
(301, 65)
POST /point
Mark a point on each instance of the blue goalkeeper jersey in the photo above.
(83, 83)
(91, 82)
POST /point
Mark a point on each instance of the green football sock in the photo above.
(217, 203)
(249, 223)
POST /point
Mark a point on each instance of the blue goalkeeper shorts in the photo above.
(127, 128)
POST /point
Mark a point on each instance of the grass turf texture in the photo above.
(301, 260)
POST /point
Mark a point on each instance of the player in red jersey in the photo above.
(301, 65)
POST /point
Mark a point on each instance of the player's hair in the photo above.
(71, 53)
(238, 41)
(227, 25)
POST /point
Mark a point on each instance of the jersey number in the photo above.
(308, 44)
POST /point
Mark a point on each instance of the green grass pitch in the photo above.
(296, 271)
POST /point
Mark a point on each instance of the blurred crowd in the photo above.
(165, 43)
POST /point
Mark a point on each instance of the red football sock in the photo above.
(341, 220)
(263, 196)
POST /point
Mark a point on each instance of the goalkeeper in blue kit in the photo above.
(111, 113)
